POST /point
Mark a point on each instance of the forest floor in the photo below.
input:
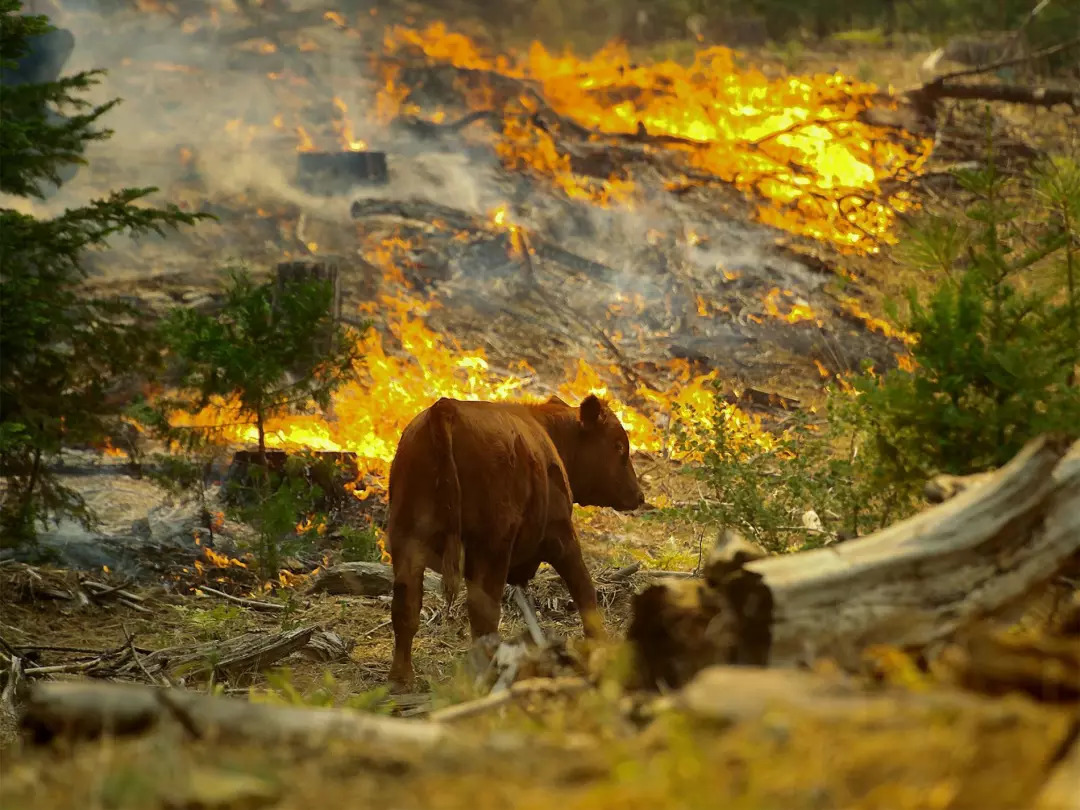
(587, 750)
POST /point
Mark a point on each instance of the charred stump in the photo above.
(337, 172)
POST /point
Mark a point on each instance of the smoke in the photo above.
(211, 119)
(204, 114)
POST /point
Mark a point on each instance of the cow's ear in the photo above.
(591, 411)
(554, 400)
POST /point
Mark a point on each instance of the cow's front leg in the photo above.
(565, 557)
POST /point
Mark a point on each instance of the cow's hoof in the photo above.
(402, 686)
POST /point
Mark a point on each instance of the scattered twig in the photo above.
(100, 590)
(73, 666)
(29, 648)
(135, 606)
(625, 572)
(1015, 60)
(529, 613)
(526, 688)
(136, 657)
(673, 574)
(7, 647)
(254, 604)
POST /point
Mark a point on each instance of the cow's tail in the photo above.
(448, 497)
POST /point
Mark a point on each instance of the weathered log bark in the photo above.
(942, 487)
(250, 652)
(1061, 789)
(88, 709)
(910, 585)
(924, 97)
(734, 694)
(996, 663)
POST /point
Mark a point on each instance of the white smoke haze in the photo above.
(212, 121)
(213, 98)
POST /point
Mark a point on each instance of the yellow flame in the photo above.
(392, 386)
(797, 142)
(305, 143)
(798, 311)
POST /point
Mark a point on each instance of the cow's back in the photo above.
(507, 468)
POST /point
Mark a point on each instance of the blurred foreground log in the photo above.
(910, 585)
(87, 709)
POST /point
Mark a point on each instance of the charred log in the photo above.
(456, 219)
(330, 172)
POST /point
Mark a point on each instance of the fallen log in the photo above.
(364, 579)
(910, 585)
(730, 695)
(996, 663)
(924, 98)
(251, 652)
(75, 710)
(1060, 789)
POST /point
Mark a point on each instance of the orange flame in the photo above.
(799, 311)
(344, 130)
(876, 324)
(391, 387)
(795, 142)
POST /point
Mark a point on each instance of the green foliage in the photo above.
(359, 544)
(268, 351)
(65, 352)
(995, 359)
(272, 351)
(213, 624)
(997, 342)
(328, 694)
(765, 490)
(277, 502)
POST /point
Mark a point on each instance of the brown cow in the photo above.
(497, 481)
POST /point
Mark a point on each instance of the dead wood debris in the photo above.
(364, 579)
(231, 659)
(908, 585)
(946, 86)
(442, 215)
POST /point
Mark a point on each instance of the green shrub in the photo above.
(765, 490)
(359, 544)
(997, 341)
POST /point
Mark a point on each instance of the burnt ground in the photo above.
(658, 297)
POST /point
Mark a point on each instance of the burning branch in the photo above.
(458, 220)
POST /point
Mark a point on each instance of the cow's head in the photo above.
(602, 473)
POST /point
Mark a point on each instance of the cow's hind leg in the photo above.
(485, 579)
(405, 612)
(565, 557)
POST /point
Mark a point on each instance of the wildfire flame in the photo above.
(796, 143)
(799, 311)
(368, 414)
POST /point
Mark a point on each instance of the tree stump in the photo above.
(337, 172)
